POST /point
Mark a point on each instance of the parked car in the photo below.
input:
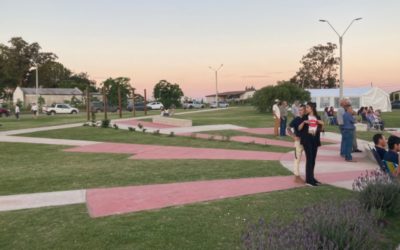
(396, 104)
(193, 105)
(155, 105)
(59, 109)
(5, 112)
(99, 107)
(138, 106)
(220, 104)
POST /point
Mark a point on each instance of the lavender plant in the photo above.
(378, 192)
(344, 225)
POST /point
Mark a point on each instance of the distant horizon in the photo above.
(259, 42)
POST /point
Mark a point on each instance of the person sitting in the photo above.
(380, 144)
(164, 112)
(378, 122)
(393, 154)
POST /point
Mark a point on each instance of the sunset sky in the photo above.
(258, 41)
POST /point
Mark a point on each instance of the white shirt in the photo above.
(276, 111)
(313, 125)
(295, 110)
(16, 109)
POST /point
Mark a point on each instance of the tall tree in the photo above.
(168, 93)
(51, 75)
(113, 84)
(80, 81)
(318, 68)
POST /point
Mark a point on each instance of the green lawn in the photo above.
(41, 168)
(209, 225)
(124, 136)
(28, 121)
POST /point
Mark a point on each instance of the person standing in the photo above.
(17, 111)
(348, 130)
(277, 116)
(339, 117)
(295, 134)
(284, 112)
(310, 129)
(34, 109)
(295, 109)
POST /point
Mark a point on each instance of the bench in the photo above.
(172, 121)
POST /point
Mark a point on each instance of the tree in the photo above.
(80, 81)
(168, 94)
(263, 99)
(318, 68)
(112, 85)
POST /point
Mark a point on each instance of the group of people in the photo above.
(392, 153)
(372, 118)
(280, 113)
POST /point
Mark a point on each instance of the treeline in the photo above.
(18, 58)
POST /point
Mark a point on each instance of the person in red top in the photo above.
(310, 130)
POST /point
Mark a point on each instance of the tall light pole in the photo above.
(340, 48)
(216, 83)
(35, 66)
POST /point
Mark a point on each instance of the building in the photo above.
(395, 96)
(359, 97)
(232, 96)
(50, 95)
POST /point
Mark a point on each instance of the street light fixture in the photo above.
(340, 48)
(216, 82)
(35, 67)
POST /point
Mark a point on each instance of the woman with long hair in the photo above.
(310, 129)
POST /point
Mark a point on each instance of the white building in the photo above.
(232, 96)
(50, 95)
(359, 97)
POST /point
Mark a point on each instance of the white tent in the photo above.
(359, 97)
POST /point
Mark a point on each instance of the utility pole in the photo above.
(145, 102)
(87, 102)
(216, 83)
(105, 102)
(119, 101)
(133, 102)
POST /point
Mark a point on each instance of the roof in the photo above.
(229, 93)
(52, 91)
(349, 92)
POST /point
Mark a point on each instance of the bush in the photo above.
(115, 126)
(378, 192)
(330, 225)
(156, 132)
(264, 98)
(131, 129)
(171, 134)
(105, 123)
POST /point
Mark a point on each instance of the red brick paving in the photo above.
(111, 201)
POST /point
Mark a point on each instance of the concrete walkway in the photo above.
(36, 200)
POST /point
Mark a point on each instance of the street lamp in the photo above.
(340, 48)
(216, 82)
(35, 67)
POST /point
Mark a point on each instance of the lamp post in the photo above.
(340, 48)
(216, 83)
(35, 67)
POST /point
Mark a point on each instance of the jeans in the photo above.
(348, 135)
(283, 126)
(342, 141)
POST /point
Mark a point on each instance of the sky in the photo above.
(259, 42)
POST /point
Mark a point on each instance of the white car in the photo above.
(155, 105)
(193, 105)
(60, 109)
(220, 104)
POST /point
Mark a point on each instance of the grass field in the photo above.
(209, 225)
(28, 121)
(42, 168)
(124, 136)
(28, 168)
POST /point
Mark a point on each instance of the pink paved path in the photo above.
(141, 151)
(110, 201)
(245, 139)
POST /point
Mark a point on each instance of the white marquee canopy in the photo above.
(359, 97)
